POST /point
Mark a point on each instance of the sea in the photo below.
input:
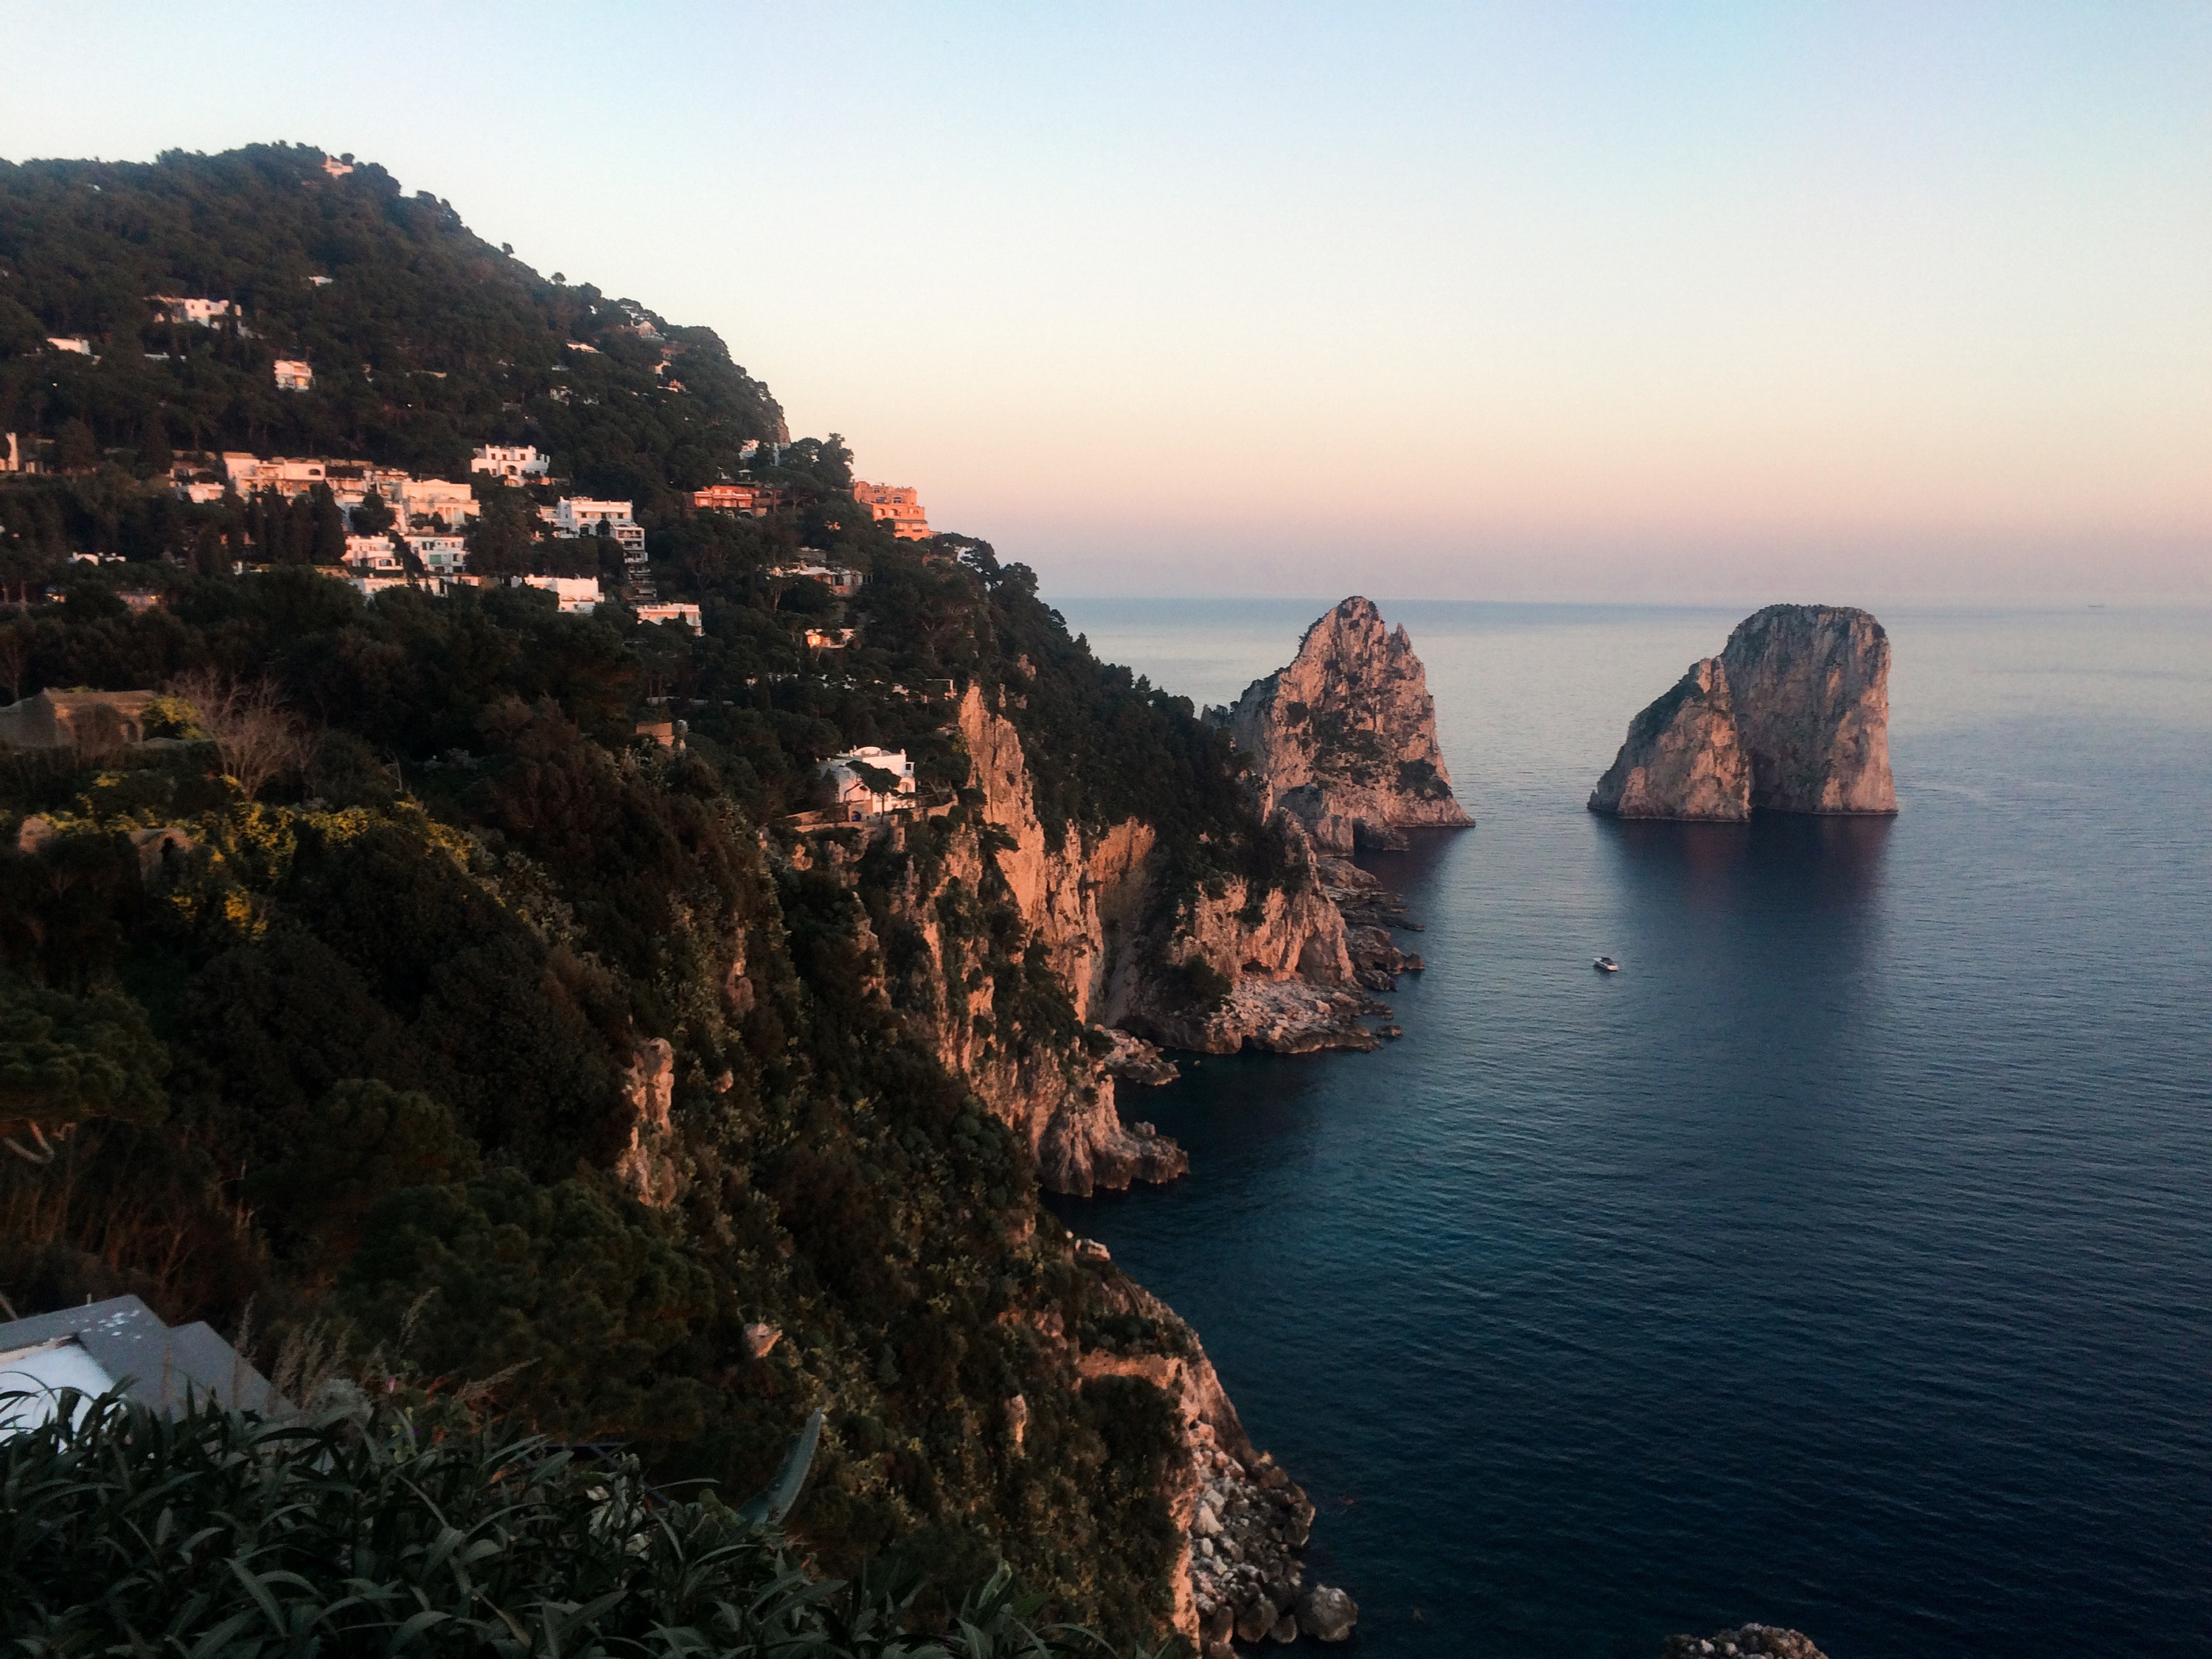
(1845, 1262)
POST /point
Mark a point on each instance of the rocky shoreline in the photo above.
(1246, 1576)
(1745, 1642)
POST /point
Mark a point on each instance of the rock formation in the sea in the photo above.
(1345, 739)
(1747, 1642)
(1793, 716)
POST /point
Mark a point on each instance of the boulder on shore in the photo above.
(1327, 1614)
(1745, 1642)
(1793, 716)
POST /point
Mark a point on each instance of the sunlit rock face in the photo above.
(1345, 737)
(1793, 716)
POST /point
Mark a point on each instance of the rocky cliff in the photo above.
(1024, 961)
(1014, 955)
(1793, 716)
(1345, 737)
(1243, 1521)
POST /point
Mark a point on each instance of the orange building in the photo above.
(896, 503)
(756, 499)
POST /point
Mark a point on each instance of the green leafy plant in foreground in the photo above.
(366, 1531)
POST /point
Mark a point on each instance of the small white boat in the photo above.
(1605, 965)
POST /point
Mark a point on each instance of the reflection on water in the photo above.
(1833, 861)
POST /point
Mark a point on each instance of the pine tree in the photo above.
(76, 450)
(155, 456)
(327, 542)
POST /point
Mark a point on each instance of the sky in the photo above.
(1624, 303)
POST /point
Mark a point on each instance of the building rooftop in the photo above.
(121, 1341)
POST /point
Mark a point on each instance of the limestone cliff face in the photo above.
(1345, 739)
(1684, 758)
(1092, 899)
(1793, 716)
(1087, 901)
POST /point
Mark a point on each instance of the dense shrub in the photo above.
(366, 1531)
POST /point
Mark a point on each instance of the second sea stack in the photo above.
(1793, 716)
(1345, 739)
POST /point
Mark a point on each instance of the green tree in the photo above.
(327, 544)
(373, 516)
(76, 450)
(362, 1140)
(155, 456)
(503, 540)
(65, 1059)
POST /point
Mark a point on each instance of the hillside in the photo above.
(424, 338)
(436, 968)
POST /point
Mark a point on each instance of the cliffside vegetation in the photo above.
(358, 1032)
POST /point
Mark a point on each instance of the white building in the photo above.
(573, 516)
(686, 614)
(451, 504)
(576, 595)
(368, 586)
(859, 797)
(199, 314)
(513, 462)
(373, 554)
(286, 476)
(441, 555)
(293, 376)
(840, 582)
(75, 342)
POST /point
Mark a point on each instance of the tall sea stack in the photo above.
(1345, 739)
(1793, 716)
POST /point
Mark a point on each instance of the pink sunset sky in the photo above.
(1666, 302)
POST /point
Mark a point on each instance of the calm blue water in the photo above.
(1845, 1262)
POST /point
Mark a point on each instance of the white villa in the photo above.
(200, 313)
(441, 555)
(373, 554)
(513, 462)
(579, 515)
(686, 614)
(451, 504)
(840, 582)
(287, 477)
(576, 595)
(293, 376)
(857, 797)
